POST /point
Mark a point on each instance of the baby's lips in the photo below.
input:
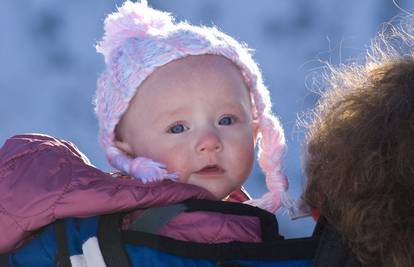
(211, 167)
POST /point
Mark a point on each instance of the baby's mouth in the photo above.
(211, 170)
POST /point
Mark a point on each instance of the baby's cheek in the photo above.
(178, 162)
(244, 159)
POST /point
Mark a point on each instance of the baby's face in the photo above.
(194, 115)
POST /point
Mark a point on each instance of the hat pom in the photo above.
(133, 20)
(144, 169)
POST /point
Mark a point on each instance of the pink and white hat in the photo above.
(138, 40)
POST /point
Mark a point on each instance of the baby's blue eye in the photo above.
(227, 120)
(176, 129)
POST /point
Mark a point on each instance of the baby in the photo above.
(182, 102)
(175, 102)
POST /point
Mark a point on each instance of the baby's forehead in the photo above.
(201, 66)
(199, 61)
(195, 76)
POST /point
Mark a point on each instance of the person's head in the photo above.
(360, 153)
(194, 115)
(190, 97)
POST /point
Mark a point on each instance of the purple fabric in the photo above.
(209, 227)
(44, 178)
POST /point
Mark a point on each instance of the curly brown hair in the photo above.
(359, 157)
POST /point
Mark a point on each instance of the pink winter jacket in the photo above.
(44, 178)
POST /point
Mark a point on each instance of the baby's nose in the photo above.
(209, 142)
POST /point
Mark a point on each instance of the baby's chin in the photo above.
(216, 195)
(219, 195)
(219, 187)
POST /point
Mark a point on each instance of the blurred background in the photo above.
(49, 66)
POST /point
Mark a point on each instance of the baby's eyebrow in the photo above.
(170, 113)
(235, 106)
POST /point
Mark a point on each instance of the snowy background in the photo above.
(49, 66)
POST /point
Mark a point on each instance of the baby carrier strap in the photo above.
(62, 251)
(4, 260)
(153, 219)
(112, 239)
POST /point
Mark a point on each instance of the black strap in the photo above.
(110, 243)
(112, 239)
(231, 264)
(153, 219)
(62, 254)
(4, 260)
(289, 249)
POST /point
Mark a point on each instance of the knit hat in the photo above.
(138, 40)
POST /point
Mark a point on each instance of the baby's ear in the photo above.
(255, 127)
(124, 147)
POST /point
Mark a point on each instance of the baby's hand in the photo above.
(148, 170)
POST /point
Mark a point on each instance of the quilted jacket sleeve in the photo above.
(44, 178)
